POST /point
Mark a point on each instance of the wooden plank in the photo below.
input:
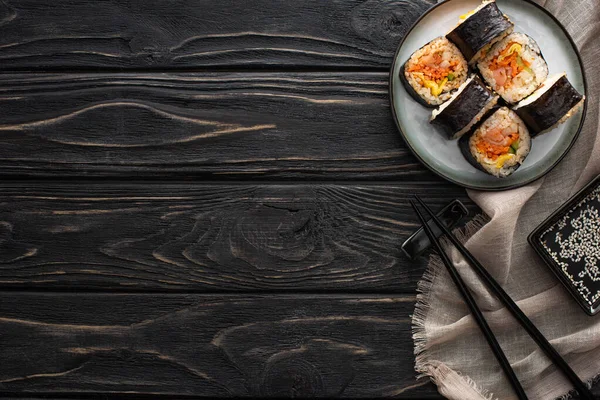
(298, 346)
(209, 125)
(186, 236)
(42, 34)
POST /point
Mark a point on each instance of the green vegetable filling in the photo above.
(514, 147)
(451, 77)
(521, 64)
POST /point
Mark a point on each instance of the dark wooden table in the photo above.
(206, 198)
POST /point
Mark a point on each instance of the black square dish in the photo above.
(569, 242)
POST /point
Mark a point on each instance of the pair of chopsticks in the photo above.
(491, 283)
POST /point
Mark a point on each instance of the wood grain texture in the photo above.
(218, 345)
(41, 34)
(186, 236)
(209, 125)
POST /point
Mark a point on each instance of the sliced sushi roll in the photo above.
(499, 145)
(434, 71)
(514, 67)
(465, 108)
(552, 104)
(479, 29)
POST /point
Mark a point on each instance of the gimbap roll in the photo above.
(466, 107)
(433, 72)
(552, 104)
(479, 29)
(499, 145)
(514, 67)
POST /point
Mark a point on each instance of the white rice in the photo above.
(502, 118)
(525, 82)
(450, 53)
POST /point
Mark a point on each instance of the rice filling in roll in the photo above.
(514, 67)
(499, 145)
(466, 107)
(552, 104)
(479, 29)
(433, 72)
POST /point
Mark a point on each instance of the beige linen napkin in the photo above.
(450, 348)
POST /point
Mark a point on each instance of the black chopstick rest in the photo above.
(418, 243)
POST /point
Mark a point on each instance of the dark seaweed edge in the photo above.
(446, 128)
(525, 111)
(533, 237)
(500, 187)
(413, 93)
(465, 149)
(459, 41)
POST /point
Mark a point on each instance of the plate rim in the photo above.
(478, 187)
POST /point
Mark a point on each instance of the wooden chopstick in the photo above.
(478, 315)
(514, 309)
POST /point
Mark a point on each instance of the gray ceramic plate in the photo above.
(443, 156)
